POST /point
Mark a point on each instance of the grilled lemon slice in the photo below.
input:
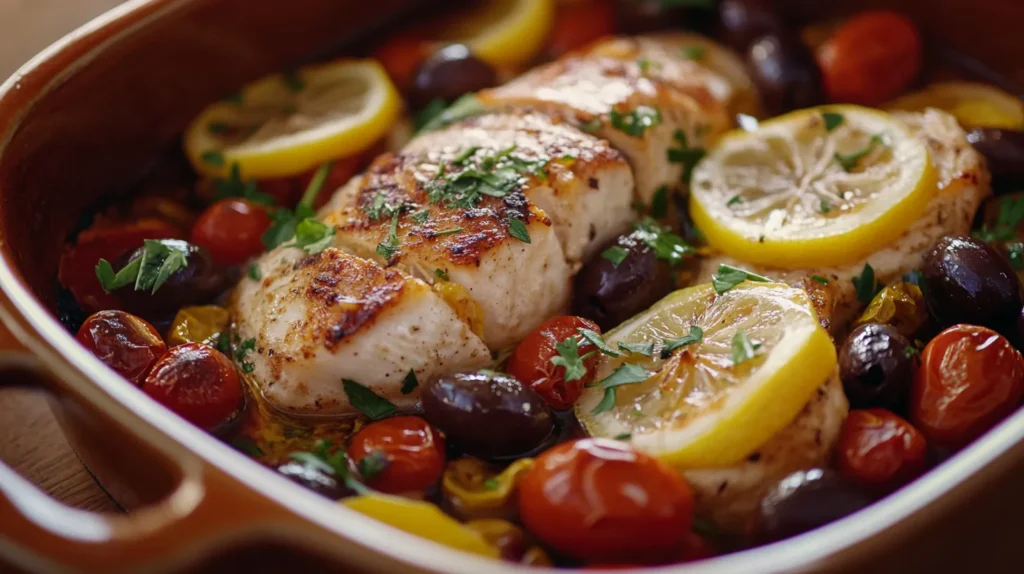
(817, 187)
(711, 402)
(503, 33)
(973, 104)
(287, 124)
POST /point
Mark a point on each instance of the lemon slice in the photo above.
(503, 33)
(284, 125)
(817, 187)
(973, 104)
(701, 408)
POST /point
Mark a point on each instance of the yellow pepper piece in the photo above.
(474, 490)
(198, 325)
(901, 306)
(422, 519)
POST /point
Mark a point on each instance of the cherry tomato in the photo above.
(402, 54)
(579, 23)
(531, 362)
(871, 58)
(287, 191)
(231, 230)
(413, 450)
(77, 270)
(879, 449)
(599, 500)
(197, 382)
(126, 343)
(970, 378)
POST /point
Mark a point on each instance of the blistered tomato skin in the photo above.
(970, 379)
(871, 58)
(414, 450)
(198, 383)
(124, 342)
(531, 362)
(806, 500)
(231, 230)
(879, 449)
(598, 500)
(876, 366)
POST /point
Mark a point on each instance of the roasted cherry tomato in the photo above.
(879, 449)
(77, 271)
(579, 23)
(198, 383)
(126, 343)
(599, 500)
(871, 58)
(408, 454)
(970, 379)
(531, 362)
(231, 230)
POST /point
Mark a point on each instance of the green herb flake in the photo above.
(685, 155)
(824, 206)
(438, 117)
(420, 217)
(635, 122)
(594, 338)
(335, 464)
(517, 229)
(832, 120)
(659, 202)
(743, 349)
(465, 155)
(626, 374)
(213, 157)
(1011, 214)
(866, 285)
(819, 279)
(284, 222)
(734, 200)
(623, 436)
(492, 484)
(1015, 251)
(313, 236)
(593, 125)
(666, 245)
(615, 254)
(569, 357)
(441, 274)
(448, 232)
(254, 272)
(910, 351)
(694, 52)
(148, 272)
(643, 348)
(391, 245)
(371, 465)
(234, 186)
(849, 161)
(241, 350)
(728, 277)
(410, 382)
(695, 335)
(366, 401)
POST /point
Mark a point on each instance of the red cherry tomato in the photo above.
(531, 362)
(970, 378)
(879, 449)
(871, 58)
(231, 230)
(77, 269)
(197, 382)
(287, 191)
(578, 24)
(599, 500)
(126, 343)
(413, 449)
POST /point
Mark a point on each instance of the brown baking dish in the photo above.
(92, 113)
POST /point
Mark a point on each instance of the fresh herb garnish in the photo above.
(819, 279)
(336, 464)
(1011, 214)
(292, 81)
(594, 338)
(910, 351)
(626, 374)
(465, 107)
(1015, 251)
(866, 285)
(410, 382)
(241, 350)
(643, 348)
(824, 206)
(734, 200)
(420, 217)
(448, 232)
(441, 274)
(615, 254)
(233, 186)
(391, 244)
(465, 154)
(285, 222)
(569, 357)
(465, 189)
(212, 157)
(592, 125)
(728, 277)
(644, 65)
(379, 208)
(366, 401)
(832, 120)
(313, 236)
(373, 464)
(254, 272)
(695, 335)
(149, 271)
(685, 155)
(659, 202)
(429, 113)
(666, 245)
(694, 52)
(635, 122)
(517, 229)
(849, 161)
(623, 436)
(743, 349)
(492, 484)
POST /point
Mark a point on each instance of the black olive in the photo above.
(743, 21)
(451, 72)
(1004, 150)
(487, 414)
(199, 282)
(609, 292)
(876, 366)
(785, 72)
(314, 478)
(966, 281)
(806, 500)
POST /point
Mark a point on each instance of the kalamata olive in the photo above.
(743, 21)
(1004, 150)
(198, 282)
(608, 290)
(806, 500)
(967, 281)
(314, 478)
(451, 72)
(126, 343)
(785, 72)
(488, 414)
(876, 365)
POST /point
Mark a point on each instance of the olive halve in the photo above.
(448, 74)
(1003, 150)
(876, 366)
(623, 278)
(967, 281)
(488, 414)
(806, 500)
(785, 73)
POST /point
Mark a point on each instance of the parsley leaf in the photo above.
(429, 113)
(313, 236)
(694, 52)
(379, 208)
(336, 464)
(623, 436)
(569, 358)
(666, 245)
(248, 446)
(626, 374)
(233, 186)
(159, 260)
(410, 382)
(1015, 250)
(465, 154)
(254, 272)
(695, 335)
(685, 155)
(910, 351)
(824, 206)
(866, 285)
(646, 349)
(391, 245)
(659, 202)
(743, 349)
(373, 464)
(592, 125)
(213, 157)
(1011, 214)
(420, 217)
(728, 277)
(734, 200)
(441, 274)
(366, 401)
(241, 350)
(492, 484)
(849, 161)
(466, 106)
(284, 223)
(594, 338)
(832, 120)
(615, 254)
(819, 279)
(635, 122)
(447, 232)
(517, 229)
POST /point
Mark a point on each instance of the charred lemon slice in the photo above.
(973, 104)
(817, 187)
(503, 33)
(714, 377)
(287, 124)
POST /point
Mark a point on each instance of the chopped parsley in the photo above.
(335, 464)
(373, 464)
(448, 232)
(435, 116)
(254, 272)
(492, 484)
(148, 272)
(644, 348)
(644, 65)
(734, 200)
(420, 217)
(824, 206)
(248, 446)
(1011, 215)
(313, 236)
(743, 349)
(569, 357)
(241, 350)
(379, 208)
(233, 186)
(213, 157)
(592, 125)
(685, 155)
(666, 245)
(465, 154)
(659, 202)
(517, 229)
(465, 189)
(832, 120)
(626, 374)
(594, 338)
(694, 52)
(615, 254)
(635, 122)
(410, 382)
(432, 110)
(728, 277)
(910, 351)
(391, 244)
(623, 436)
(366, 401)
(866, 285)
(819, 279)
(695, 335)
(441, 274)
(849, 161)
(284, 222)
